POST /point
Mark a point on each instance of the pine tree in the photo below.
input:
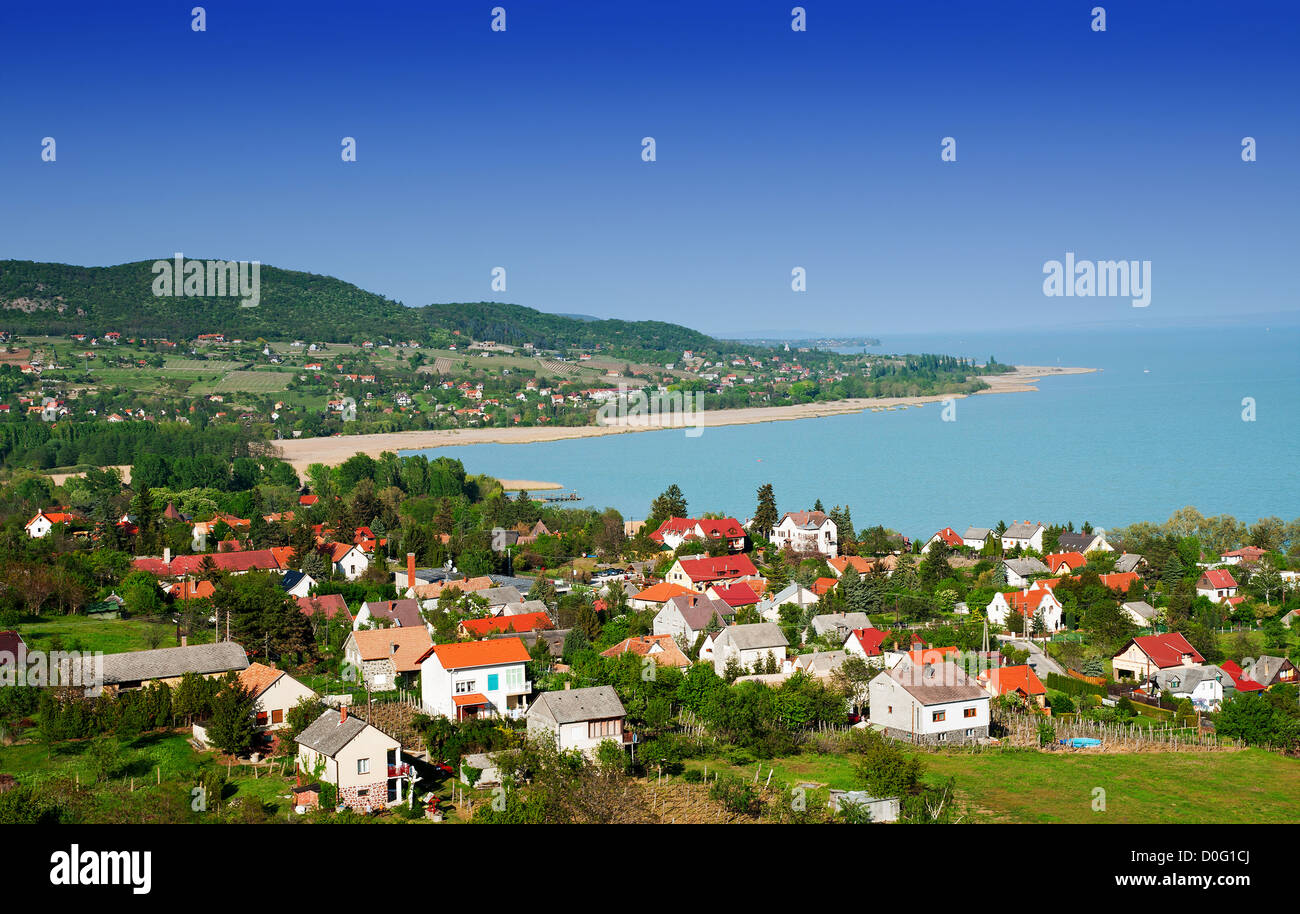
(765, 518)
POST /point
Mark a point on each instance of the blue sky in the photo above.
(775, 149)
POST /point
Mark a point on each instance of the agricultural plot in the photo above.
(202, 366)
(257, 382)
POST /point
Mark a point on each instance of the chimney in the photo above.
(167, 555)
(343, 714)
(410, 569)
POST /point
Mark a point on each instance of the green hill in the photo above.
(56, 299)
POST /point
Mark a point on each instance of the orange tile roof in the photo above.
(1070, 560)
(524, 622)
(412, 644)
(466, 654)
(926, 655)
(1015, 679)
(258, 677)
(661, 592)
(822, 585)
(473, 698)
(192, 590)
(662, 649)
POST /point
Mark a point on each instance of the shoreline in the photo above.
(302, 452)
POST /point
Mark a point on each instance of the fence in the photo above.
(1022, 730)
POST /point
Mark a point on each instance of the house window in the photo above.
(969, 712)
(465, 686)
(363, 766)
(942, 737)
(970, 733)
(603, 729)
(277, 716)
(938, 716)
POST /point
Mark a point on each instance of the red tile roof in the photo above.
(258, 677)
(1120, 581)
(1239, 680)
(331, 604)
(1014, 679)
(1168, 649)
(722, 568)
(736, 595)
(1218, 578)
(524, 622)
(822, 585)
(949, 536)
(870, 639)
(1070, 560)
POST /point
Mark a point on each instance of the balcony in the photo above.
(523, 688)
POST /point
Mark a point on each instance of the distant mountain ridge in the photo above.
(57, 299)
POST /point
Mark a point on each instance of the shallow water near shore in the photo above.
(1159, 427)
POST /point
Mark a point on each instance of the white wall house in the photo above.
(1030, 603)
(350, 561)
(473, 678)
(748, 644)
(1024, 534)
(1218, 584)
(363, 762)
(44, 521)
(930, 703)
(807, 531)
(578, 719)
(275, 693)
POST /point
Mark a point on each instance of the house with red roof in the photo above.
(1240, 681)
(662, 649)
(1218, 584)
(1015, 680)
(699, 574)
(474, 678)
(735, 595)
(866, 642)
(1247, 555)
(326, 605)
(1030, 604)
(948, 536)
(1065, 562)
(1146, 655)
(524, 622)
(675, 531)
(656, 595)
(40, 525)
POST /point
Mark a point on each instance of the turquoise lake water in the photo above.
(1159, 427)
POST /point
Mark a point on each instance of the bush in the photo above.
(737, 796)
(693, 776)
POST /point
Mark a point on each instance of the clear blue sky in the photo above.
(775, 149)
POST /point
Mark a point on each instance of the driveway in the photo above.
(1039, 661)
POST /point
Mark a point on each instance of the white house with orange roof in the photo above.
(1030, 603)
(274, 693)
(948, 536)
(44, 521)
(473, 678)
(1218, 584)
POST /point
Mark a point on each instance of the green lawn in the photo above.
(111, 636)
(1027, 786)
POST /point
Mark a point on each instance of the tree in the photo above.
(233, 724)
(883, 769)
(670, 503)
(765, 516)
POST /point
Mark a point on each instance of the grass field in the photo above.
(246, 381)
(1026, 786)
(111, 636)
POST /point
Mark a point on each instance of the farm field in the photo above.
(1247, 786)
(111, 636)
(246, 382)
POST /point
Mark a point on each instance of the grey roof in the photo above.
(820, 662)
(1022, 530)
(936, 683)
(752, 637)
(527, 606)
(699, 611)
(1265, 669)
(1025, 567)
(977, 533)
(571, 706)
(1141, 608)
(554, 638)
(328, 733)
(1189, 677)
(1076, 542)
(1129, 561)
(500, 596)
(523, 585)
(839, 622)
(173, 662)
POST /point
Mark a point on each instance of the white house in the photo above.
(748, 644)
(807, 531)
(362, 761)
(579, 719)
(44, 521)
(793, 594)
(1140, 613)
(1146, 655)
(1018, 571)
(349, 561)
(1218, 584)
(1024, 534)
(1030, 603)
(947, 536)
(689, 615)
(274, 693)
(931, 703)
(471, 678)
(976, 537)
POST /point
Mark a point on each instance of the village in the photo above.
(395, 638)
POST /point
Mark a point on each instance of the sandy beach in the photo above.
(301, 452)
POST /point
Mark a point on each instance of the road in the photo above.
(1039, 661)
